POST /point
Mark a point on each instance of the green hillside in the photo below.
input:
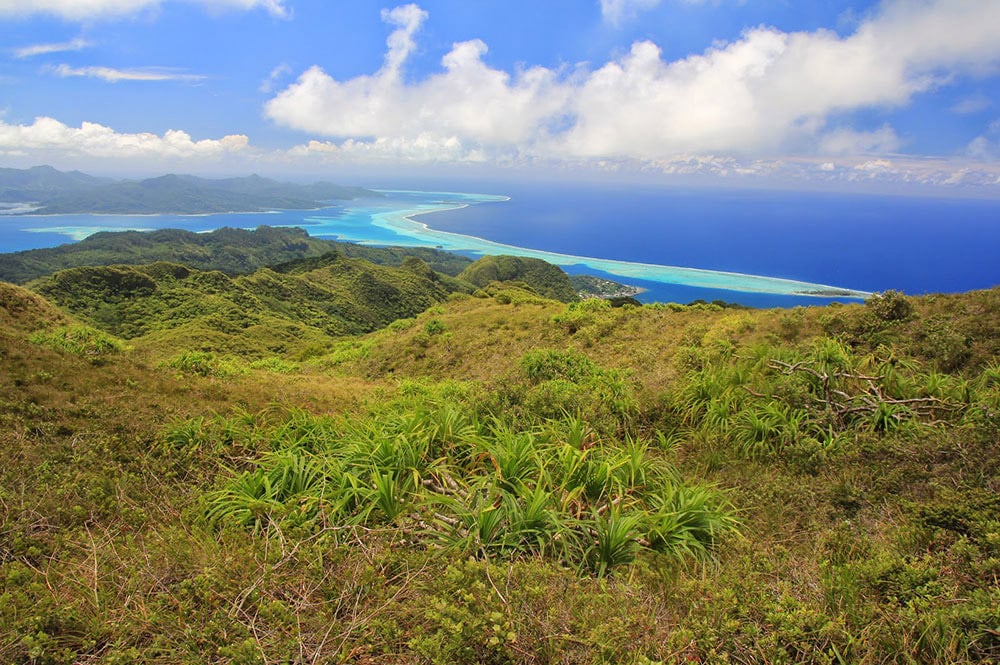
(232, 251)
(544, 278)
(202, 467)
(170, 305)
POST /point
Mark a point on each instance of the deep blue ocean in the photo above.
(861, 242)
(865, 242)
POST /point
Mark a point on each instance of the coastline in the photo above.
(402, 227)
(270, 211)
(685, 276)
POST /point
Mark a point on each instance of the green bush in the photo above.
(581, 314)
(434, 327)
(548, 364)
(889, 306)
(80, 341)
(939, 342)
(205, 363)
(399, 325)
(276, 365)
(556, 397)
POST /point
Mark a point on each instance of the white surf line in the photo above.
(78, 233)
(404, 223)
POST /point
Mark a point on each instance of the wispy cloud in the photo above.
(616, 11)
(113, 75)
(59, 47)
(986, 147)
(852, 142)
(267, 85)
(81, 10)
(970, 173)
(974, 104)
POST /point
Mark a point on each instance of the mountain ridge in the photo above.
(345, 297)
(233, 251)
(58, 192)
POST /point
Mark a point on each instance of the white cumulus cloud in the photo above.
(468, 100)
(772, 90)
(80, 10)
(768, 92)
(95, 140)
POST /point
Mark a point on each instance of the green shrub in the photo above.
(689, 358)
(348, 350)
(205, 363)
(939, 341)
(549, 364)
(555, 397)
(276, 365)
(79, 340)
(581, 314)
(790, 324)
(889, 306)
(399, 325)
(434, 327)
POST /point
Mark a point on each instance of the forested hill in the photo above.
(233, 251)
(215, 291)
(43, 182)
(548, 280)
(262, 313)
(55, 192)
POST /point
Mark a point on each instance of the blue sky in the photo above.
(898, 94)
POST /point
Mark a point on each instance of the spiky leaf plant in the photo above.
(616, 541)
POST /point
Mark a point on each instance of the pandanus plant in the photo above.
(557, 492)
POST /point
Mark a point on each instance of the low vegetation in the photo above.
(484, 489)
(490, 476)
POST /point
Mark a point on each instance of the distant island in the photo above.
(43, 190)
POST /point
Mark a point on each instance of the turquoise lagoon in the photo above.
(403, 218)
